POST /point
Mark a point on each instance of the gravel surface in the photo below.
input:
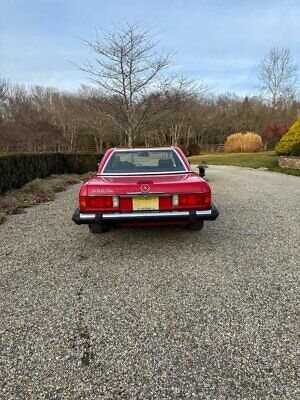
(155, 313)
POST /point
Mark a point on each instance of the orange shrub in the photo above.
(239, 143)
(252, 142)
(234, 143)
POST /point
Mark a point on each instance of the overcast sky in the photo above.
(219, 41)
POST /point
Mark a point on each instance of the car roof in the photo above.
(144, 148)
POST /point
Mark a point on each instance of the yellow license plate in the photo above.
(144, 204)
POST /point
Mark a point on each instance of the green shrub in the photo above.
(290, 143)
(81, 163)
(18, 169)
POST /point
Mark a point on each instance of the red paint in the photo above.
(96, 194)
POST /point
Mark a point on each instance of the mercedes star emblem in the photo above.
(145, 188)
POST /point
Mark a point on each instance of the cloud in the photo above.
(221, 42)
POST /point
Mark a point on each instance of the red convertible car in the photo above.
(144, 186)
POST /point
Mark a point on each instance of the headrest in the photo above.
(165, 163)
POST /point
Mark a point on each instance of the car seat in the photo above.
(165, 164)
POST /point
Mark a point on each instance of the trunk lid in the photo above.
(124, 185)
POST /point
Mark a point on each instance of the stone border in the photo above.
(289, 162)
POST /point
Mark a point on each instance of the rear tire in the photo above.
(98, 228)
(195, 226)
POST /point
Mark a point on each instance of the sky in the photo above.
(218, 41)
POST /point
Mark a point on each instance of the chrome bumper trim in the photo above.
(170, 214)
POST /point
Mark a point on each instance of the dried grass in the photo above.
(252, 142)
(35, 192)
(234, 143)
(243, 143)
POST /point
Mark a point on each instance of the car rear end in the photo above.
(154, 199)
(144, 209)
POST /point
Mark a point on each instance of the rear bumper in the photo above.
(147, 216)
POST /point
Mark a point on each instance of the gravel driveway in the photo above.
(155, 313)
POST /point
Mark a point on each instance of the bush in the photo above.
(290, 143)
(18, 169)
(272, 134)
(184, 150)
(252, 142)
(81, 163)
(248, 143)
(234, 143)
(190, 150)
(193, 150)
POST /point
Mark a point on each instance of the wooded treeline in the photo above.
(44, 119)
(132, 101)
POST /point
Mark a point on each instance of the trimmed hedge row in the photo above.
(18, 169)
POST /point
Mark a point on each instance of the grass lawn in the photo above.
(266, 159)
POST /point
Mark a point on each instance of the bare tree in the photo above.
(127, 66)
(3, 88)
(3, 95)
(277, 75)
(43, 119)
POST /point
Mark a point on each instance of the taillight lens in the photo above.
(87, 202)
(207, 199)
(83, 198)
(195, 200)
(99, 202)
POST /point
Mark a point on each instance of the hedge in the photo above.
(18, 169)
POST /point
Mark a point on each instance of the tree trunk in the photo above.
(129, 133)
(188, 136)
(101, 147)
(72, 141)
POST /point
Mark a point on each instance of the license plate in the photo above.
(144, 204)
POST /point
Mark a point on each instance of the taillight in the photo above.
(83, 198)
(190, 199)
(195, 200)
(99, 202)
(87, 202)
(207, 199)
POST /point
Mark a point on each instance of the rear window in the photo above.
(144, 161)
